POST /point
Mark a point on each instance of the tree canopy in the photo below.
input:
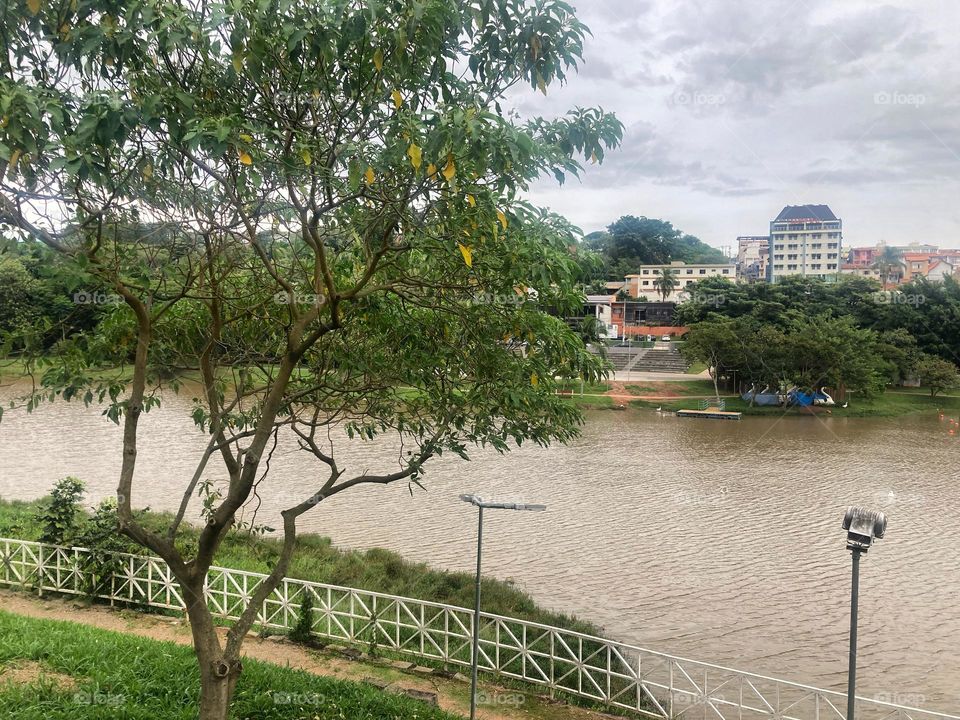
(634, 241)
(808, 332)
(317, 207)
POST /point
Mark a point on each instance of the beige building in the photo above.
(643, 283)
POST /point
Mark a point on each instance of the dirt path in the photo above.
(453, 694)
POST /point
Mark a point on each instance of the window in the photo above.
(646, 282)
(703, 272)
(689, 272)
(726, 271)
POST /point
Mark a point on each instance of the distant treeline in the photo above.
(848, 334)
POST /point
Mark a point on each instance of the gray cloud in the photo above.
(736, 108)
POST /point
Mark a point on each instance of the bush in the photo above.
(302, 631)
(58, 517)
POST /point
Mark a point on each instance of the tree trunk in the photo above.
(218, 672)
(216, 691)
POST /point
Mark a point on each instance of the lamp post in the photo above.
(475, 650)
(862, 526)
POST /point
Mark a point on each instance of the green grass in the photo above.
(696, 368)
(590, 388)
(121, 676)
(893, 403)
(318, 560)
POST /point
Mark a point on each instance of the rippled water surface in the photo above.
(718, 541)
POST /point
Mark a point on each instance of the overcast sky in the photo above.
(735, 108)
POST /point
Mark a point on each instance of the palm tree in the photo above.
(666, 283)
(888, 263)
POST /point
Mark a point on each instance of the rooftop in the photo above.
(806, 212)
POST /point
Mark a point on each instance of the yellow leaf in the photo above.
(502, 218)
(593, 157)
(471, 201)
(246, 138)
(369, 176)
(378, 60)
(416, 155)
(450, 169)
(534, 380)
(237, 62)
(147, 171)
(14, 157)
(541, 85)
(467, 253)
(431, 170)
(245, 158)
(33, 6)
(307, 158)
(397, 99)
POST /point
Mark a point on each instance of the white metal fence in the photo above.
(607, 672)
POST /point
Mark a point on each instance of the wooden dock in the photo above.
(711, 413)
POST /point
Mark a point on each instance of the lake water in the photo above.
(718, 541)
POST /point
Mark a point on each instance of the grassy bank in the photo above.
(893, 403)
(51, 670)
(318, 560)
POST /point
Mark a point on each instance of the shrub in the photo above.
(58, 517)
(301, 632)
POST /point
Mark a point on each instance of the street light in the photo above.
(862, 526)
(481, 504)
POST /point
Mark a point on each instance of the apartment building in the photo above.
(805, 240)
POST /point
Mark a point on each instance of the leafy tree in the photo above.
(713, 342)
(634, 241)
(309, 206)
(936, 373)
(17, 290)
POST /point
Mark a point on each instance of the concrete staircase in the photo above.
(663, 357)
(624, 358)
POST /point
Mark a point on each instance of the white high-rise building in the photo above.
(805, 240)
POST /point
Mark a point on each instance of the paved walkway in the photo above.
(644, 376)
